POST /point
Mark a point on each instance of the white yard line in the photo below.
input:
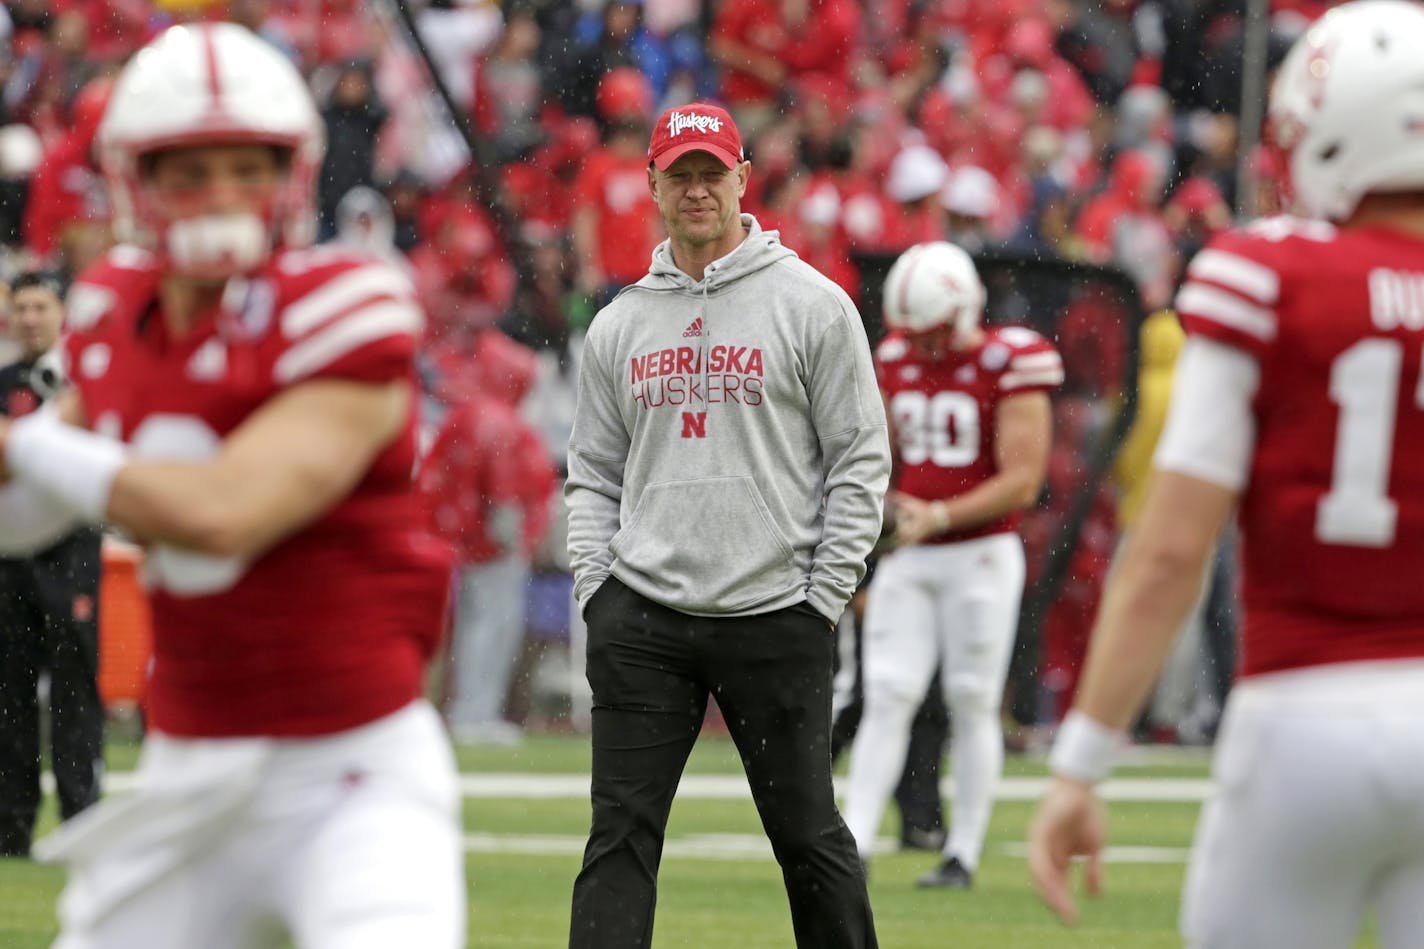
(733, 787)
(531, 787)
(755, 846)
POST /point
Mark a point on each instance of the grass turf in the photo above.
(518, 893)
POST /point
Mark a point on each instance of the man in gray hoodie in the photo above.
(727, 469)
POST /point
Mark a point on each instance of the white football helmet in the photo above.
(933, 285)
(1348, 106)
(210, 84)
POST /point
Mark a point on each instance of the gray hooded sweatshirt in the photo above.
(729, 453)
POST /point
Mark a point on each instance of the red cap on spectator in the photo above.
(624, 93)
(1197, 196)
(696, 127)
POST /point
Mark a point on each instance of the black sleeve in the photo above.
(14, 381)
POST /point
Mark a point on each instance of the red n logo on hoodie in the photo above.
(694, 424)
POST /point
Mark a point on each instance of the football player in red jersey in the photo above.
(971, 425)
(249, 406)
(1299, 404)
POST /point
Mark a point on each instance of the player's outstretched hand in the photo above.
(1070, 822)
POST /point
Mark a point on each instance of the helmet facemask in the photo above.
(197, 240)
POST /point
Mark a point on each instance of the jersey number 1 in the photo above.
(1364, 383)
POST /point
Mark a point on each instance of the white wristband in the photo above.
(31, 521)
(1084, 749)
(68, 463)
(939, 514)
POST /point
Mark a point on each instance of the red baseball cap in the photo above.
(696, 127)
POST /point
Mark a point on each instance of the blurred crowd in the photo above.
(1104, 131)
(1096, 130)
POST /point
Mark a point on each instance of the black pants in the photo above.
(651, 670)
(1221, 621)
(49, 621)
(917, 795)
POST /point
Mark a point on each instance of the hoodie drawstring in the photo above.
(704, 342)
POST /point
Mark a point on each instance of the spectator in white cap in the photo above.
(971, 200)
(917, 175)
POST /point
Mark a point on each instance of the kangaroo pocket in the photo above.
(708, 545)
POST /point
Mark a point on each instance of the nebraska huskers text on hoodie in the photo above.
(729, 454)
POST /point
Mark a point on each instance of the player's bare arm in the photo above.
(1146, 599)
(1153, 590)
(1023, 432)
(286, 465)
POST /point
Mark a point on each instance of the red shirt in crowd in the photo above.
(486, 456)
(628, 223)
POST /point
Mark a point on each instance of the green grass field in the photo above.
(719, 885)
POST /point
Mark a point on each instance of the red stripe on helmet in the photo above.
(210, 51)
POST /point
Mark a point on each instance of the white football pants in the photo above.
(952, 607)
(1318, 813)
(348, 841)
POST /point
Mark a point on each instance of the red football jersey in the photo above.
(485, 456)
(629, 225)
(332, 627)
(1333, 515)
(943, 412)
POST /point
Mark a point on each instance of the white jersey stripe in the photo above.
(341, 294)
(130, 257)
(366, 325)
(1044, 360)
(1040, 377)
(1228, 309)
(1246, 277)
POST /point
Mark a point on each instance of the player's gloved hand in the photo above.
(1070, 822)
(916, 518)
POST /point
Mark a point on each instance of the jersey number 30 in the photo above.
(942, 429)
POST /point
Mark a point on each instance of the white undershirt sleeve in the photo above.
(1211, 429)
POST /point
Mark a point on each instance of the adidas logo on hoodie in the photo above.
(694, 328)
